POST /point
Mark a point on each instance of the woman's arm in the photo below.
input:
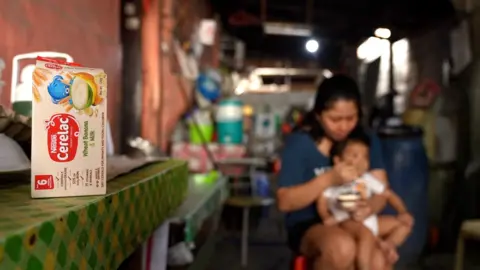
(295, 192)
(302, 195)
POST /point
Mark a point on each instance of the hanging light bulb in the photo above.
(312, 46)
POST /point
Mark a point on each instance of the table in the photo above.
(204, 199)
(96, 232)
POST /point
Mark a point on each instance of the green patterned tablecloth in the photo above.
(96, 232)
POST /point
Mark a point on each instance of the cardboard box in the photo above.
(69, 113)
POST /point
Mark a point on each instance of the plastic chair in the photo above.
(470, 230)
(246, 202)
(299, 263)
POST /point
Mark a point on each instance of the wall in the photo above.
(88, 30)
(166, 94)
(470, 78)
(424, 58)
(474, 86)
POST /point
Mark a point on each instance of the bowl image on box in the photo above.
(68, 130)
(81, 94)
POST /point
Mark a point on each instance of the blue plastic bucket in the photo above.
(407, 167)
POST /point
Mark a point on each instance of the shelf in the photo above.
(96, 232)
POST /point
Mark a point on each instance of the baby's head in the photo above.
(354, 150)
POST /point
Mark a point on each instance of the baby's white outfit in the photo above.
(370, 184)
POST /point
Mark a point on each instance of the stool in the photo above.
(299, 263)
(246, 202)
(470, 230)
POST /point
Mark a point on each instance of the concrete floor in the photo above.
(268, 251)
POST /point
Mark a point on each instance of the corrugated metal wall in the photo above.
(87, 29)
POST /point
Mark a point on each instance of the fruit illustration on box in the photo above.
(76, 90)
(84, 92)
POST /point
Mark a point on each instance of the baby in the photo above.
(336, 204)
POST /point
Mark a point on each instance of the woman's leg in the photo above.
(379, 261)
(366, 242)
(331, 247)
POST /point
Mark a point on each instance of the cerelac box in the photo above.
(69, 111)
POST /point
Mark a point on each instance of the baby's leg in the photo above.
(392, 233)
(392, 230)
(365, 240)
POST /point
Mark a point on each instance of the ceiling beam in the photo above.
(318, 17)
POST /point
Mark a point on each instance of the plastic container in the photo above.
(12, 157)
(201, 130)
(265, 125)
(261, 184)
(407, 167)
(200, 134)
(23, 107)
(230, 122)
(262, 189)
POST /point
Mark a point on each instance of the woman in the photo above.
(336, 113)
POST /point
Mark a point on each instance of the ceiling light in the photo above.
(327, 73)
(383, 33)
(312, 46)
(372, 48)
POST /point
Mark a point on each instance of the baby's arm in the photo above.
(322, 208)
(375, 185)
(379, 188)
(402, 212)
(392, 198)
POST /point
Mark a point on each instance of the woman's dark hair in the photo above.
(338, 87)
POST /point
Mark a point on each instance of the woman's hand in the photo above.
(362, 166)
(344, 173)
(330, 221)
(362, 211)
